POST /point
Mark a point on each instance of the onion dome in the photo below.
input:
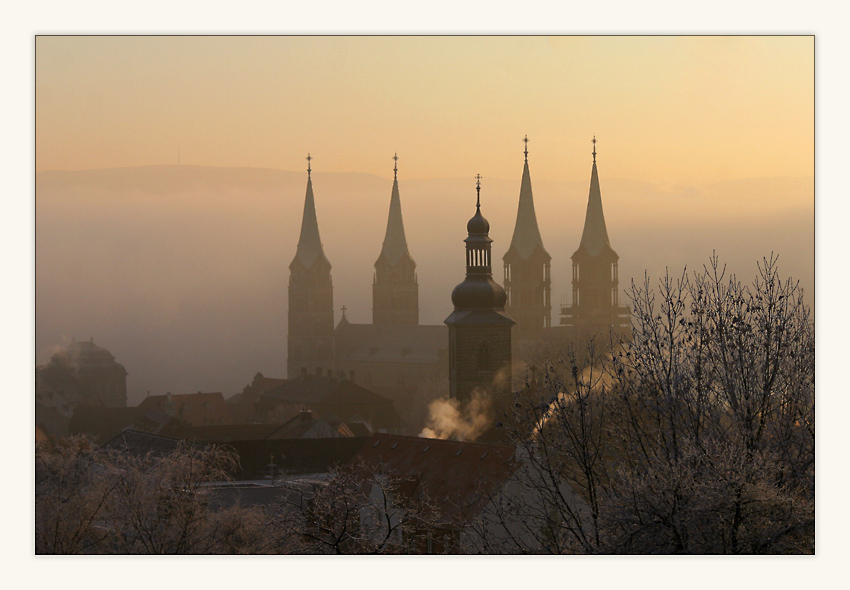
(478, 290)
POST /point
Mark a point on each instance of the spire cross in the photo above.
(309, 170)
(526, 147)
(594, 149)
(395, 167)
(343, 308)
(478, 190)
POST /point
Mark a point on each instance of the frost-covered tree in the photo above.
(695, 436)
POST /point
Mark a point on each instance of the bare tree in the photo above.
(358, 511)
(92, 500)
(697, 436)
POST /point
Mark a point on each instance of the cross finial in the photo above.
(478, 190)
(395, 167)
(526, 147)
(343, 308)
(594, 149)
(309, 170)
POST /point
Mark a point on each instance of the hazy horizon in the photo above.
(704, 144)
(182, 272)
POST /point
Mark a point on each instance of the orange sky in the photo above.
(665, 109)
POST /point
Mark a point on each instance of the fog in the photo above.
(181, 271)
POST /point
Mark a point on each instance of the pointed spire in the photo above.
(526, 231)
(595, 235)
(309, 243)
(395, 242)
(478, 191)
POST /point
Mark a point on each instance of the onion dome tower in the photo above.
(595, 306)
(527, 278)
(311, 310)
(479, 328)
(395, 289)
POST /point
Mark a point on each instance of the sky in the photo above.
(671, 109)
(705, 144)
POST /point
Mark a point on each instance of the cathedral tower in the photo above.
(311, 309)
(479, 328)
(395, 290)
(596, 305)
(527, 280)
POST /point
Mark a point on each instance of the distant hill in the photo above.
(181, 271)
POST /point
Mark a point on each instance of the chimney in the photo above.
(351, 376)
(330, 373)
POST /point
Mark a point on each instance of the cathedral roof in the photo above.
(395, 242)
(526, 232)
(594, 238)
(388, 343)
(309, 243)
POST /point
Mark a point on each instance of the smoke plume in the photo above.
(448, 418)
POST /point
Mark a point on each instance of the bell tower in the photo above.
(527, 278)
(311, 308)
(479, 328)
(395, 289)
(596, 305)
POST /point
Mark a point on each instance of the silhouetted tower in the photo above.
(311, 310)
(527, 280)
(395, 290)
(596, 305)
(479, 328)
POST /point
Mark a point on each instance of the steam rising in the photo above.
(449, 419)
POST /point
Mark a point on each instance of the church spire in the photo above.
(526, 236)
(395, 290)
(594, 238)
(395, 242)
(309, 243)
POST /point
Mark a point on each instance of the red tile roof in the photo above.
(457, 476)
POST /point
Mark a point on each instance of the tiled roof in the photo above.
(457, 476)
(293, 455)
